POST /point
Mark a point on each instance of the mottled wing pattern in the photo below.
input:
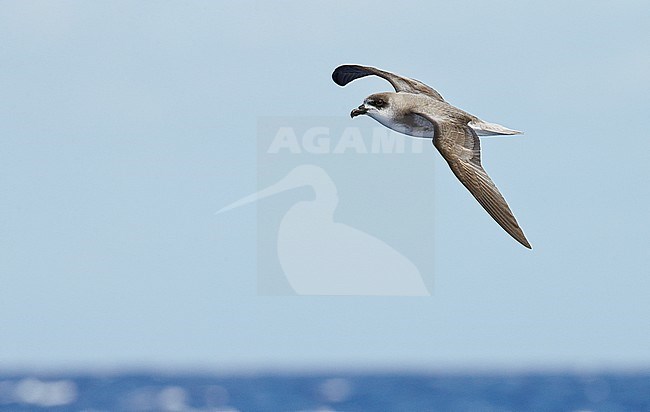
(343, 75)
(460, 147)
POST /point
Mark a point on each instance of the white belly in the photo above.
(418, 126)
(415, 126)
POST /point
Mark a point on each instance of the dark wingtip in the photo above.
(525, 243)
(337, 76)
(345, 73)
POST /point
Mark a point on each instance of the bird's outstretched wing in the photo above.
(460, 147)
(343, 75)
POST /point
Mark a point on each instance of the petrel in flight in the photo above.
(418, 110)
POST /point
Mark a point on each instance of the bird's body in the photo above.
(416, 109)
(401, 117)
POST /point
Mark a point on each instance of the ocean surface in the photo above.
(326, 392)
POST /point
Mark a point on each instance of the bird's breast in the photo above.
(411, 124)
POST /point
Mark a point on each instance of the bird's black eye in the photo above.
(379, 103)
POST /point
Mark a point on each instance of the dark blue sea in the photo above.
(327, 392)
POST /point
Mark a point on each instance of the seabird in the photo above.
(416, 109)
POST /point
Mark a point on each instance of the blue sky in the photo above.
(125, 125)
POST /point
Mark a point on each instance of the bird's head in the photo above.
(375, 105)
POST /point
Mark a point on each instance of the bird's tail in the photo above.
(490, 129)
